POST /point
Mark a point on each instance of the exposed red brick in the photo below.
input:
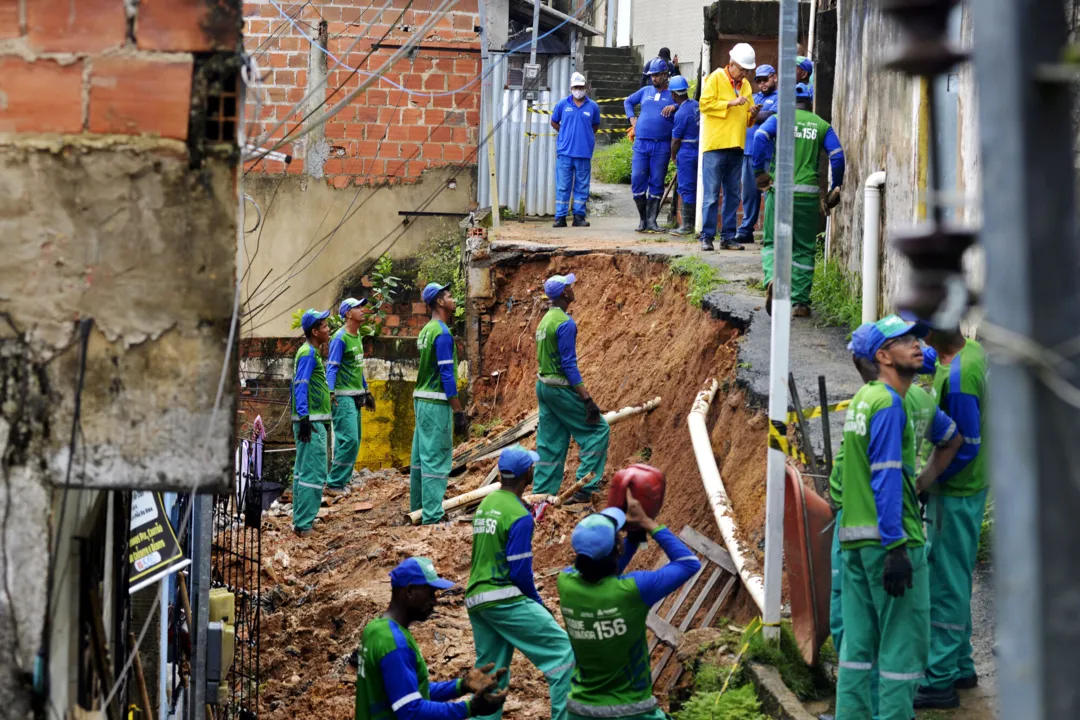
(392, 321)
(410, 150)
(87, 26)
(390, 150)
(134, 96)
(42, 96)
(441, 134)
(419, 308)
(340, 181)
(9, 20)
(397, 133)
(187, 25)
(433, 151)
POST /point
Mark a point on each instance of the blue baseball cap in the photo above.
(418, 571)
(515, 461)
(803, 91)
(656, 66)
(555, 284)
(311, 318)
(764, 71)
(805, 63)
(595, 535)
(349, 303)
(678, 84)
(869, 337)
(431, 291)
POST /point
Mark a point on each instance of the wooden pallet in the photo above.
(716, 567)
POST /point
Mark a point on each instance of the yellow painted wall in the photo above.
(386, 434)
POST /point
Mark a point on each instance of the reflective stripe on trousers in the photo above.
(611, 711)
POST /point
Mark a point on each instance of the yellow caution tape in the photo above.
(816, 412)
(600, 130)
(605, 101)
(778, 441)
(538, 111)
(752, 629)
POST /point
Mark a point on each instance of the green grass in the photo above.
(478, 430)
(704, 278)
(739, 703)
(836, 295)
(806, 682)
(986, 537)
(611, 164)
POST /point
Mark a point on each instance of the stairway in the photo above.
(613, 73)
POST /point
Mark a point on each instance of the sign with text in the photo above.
(153, 551)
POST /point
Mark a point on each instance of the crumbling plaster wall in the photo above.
(121, 231)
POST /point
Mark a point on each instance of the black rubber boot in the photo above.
(706, 243)
(967, 683)
(653, 209)
(580, 221)
(687, 221)
(641, 208)
(560, 222)
(930, 698)
(730, 245)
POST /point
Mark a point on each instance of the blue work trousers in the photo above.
(751, 199)
(649, 167)
(720, 169)
(576, 173)
(686, 165)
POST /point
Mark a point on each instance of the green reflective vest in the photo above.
(381, 637)
(967, 373)
(428, 382)
(489, 578)
(350, 374)
(547, 348)
(606, 625)
(809, 142)
(318, 390)
(859, 525)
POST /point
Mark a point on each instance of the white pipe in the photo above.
(871, 245)
(718, 497)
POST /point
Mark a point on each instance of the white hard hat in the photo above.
(743, 55)
(577, 80)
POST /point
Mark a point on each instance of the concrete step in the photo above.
(627, 76)
(592, 50)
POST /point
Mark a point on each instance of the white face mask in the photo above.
(578, 93)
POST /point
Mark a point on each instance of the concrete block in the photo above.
(27, 108)
(135, 96)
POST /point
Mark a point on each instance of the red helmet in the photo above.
(645, 482)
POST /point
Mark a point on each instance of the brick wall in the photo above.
(75, 66)
(384, 135)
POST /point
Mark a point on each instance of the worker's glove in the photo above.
(305, 430)
(630, 133)
(592, 412)
(897, 575)
(461, 423)
(637, 537)
(486, 704)
(833, 199)
(369, 402)
(763, 180)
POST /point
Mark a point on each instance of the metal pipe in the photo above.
(706, 68)
(781, 317)
(609, 37)
(717, 494)
(871, 245)
(487, 103)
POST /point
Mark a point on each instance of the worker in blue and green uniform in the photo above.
(812, 136)
(566, 407)
(504, 607)
(765, 99)
(436, 406)
(885, 584)
(804, 70)
(345, 376)
(605, 610)
(391, 675)
(310, 415)
(684, 151)
(575, 118)
(954, 517)
(929, 424)
(652, 144)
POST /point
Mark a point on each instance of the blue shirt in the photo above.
(651, 125)
(576, 136)
(765, 136)
(687, 127)
(769, 104)
(402, 687)
(566, 340)
(444, 354)
(886, 455)
(655, 585)
(519, 554)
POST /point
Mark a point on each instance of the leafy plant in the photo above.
(441, 262)
(986, 536)
(645, 454)
(836, 295)
(611, 164)
(806, 682)
(381, 297)
(478, 430)
(704, 278)
(736, 704)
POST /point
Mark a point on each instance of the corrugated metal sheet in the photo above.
(511, 142)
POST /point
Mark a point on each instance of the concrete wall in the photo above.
(311, 267)
(676, 25)
(880, 117)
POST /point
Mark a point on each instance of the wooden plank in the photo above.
(493, 447)
(99, 649)
(689, 618)
(707, 622)
(674, 609)
(708, 548)
(662, 628)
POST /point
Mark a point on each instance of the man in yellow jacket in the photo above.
(727, 109)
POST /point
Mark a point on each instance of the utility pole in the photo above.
(532, 79)
(487, 121)
(1033, 294)
(612, 10)
(202, 532)
(781, 319)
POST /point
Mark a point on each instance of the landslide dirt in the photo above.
(638, 338)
